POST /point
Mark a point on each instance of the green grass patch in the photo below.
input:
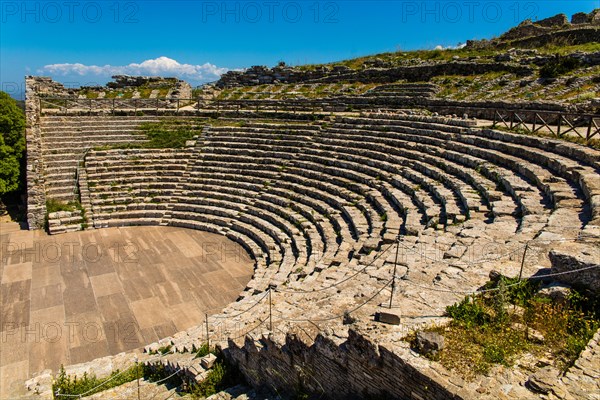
(497, 327)
(53, 205)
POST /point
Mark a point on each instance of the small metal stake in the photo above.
(207, 335)
(270, 310)
(523, 260)
(137, 369)
(395, 267)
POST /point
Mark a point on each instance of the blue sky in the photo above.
(80, 42)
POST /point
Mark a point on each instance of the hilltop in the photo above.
(554, 60)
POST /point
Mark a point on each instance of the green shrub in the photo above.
(220, 377)
(204, 350)
(559, 66)
(488, 329)
(213, 382)
(12, 144)
(469, 312)
(90, 384)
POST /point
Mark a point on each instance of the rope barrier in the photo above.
(108, 380)
(243, 312)
(380, 254)
(496, 289)
(338, 316)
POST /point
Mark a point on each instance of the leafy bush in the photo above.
(559, 66)
(469, 313)
(213, 382)
(90, 384)
(220, 377)
(12, 144)
(496, 326)
(204, 350)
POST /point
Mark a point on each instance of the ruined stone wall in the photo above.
(352, 369)
(36, 192)
(572, 37)
(418, 73)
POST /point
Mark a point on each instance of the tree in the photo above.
(12, 143)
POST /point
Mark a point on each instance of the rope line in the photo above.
(360, 271)
(110, 379)
(245, 334)
(496, 289)
(242, 312)
(338, 316)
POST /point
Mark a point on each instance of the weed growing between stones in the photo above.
(204, 350)
(65, 384)
(222, 376)
(500, 326)
(53, 205)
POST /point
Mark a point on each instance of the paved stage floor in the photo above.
(74, 297)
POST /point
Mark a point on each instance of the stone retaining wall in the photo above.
(351, 369)
(36, 191)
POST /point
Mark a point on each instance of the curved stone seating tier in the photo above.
(264, 175)
(295, 238)
(437, 200)
(328, 204)
(510, 180)
(280, 240)
(392, 158)
(133, 184)
(539, 159)
(304, 235)
(433, 160)
(66, 139)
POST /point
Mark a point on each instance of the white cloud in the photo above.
(162, 66)
(458, 46)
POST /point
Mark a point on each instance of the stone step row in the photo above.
(441, 144)
(334, 197)
(568, 164)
